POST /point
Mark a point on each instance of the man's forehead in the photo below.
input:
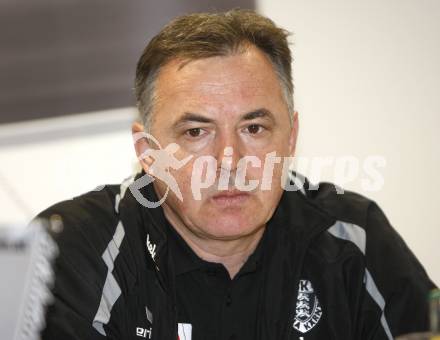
(218, 70)
(217, 77)
(229, 86)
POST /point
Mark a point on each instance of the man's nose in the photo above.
(228, 151)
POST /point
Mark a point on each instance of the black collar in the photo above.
(183, 257)
(185, 260)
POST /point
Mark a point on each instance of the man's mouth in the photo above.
(230, 197)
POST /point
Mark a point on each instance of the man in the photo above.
(229, 254)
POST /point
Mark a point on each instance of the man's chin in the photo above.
(230, 225)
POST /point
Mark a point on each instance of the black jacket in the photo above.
(336, 270)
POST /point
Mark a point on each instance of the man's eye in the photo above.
(254, 128)
(194, 132)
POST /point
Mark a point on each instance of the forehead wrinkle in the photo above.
(200, 78)
(208, 91)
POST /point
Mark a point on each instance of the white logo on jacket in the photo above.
(308, 310)
(184, 331)
(144, 332)
(151, 247)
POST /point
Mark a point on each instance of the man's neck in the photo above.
(231, 253)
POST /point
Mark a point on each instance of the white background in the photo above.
(367, 83)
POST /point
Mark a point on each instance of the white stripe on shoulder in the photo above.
(122, 190)
(357, 235)
(111, 290)
(350, 232)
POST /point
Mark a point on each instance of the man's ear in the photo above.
(141, 145)
(293, 134)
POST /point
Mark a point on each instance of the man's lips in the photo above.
(230, 197)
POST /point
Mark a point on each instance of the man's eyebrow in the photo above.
(195, 117)
(259, 113)
(192, 117)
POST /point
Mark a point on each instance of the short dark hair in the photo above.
(204, 35)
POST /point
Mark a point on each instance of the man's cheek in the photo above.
(183, 179)
(257, 170)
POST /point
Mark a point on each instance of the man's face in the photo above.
(211, 104)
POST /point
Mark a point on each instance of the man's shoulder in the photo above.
(344, 205)
(88, 207)
(358, 222)
(90, 216)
